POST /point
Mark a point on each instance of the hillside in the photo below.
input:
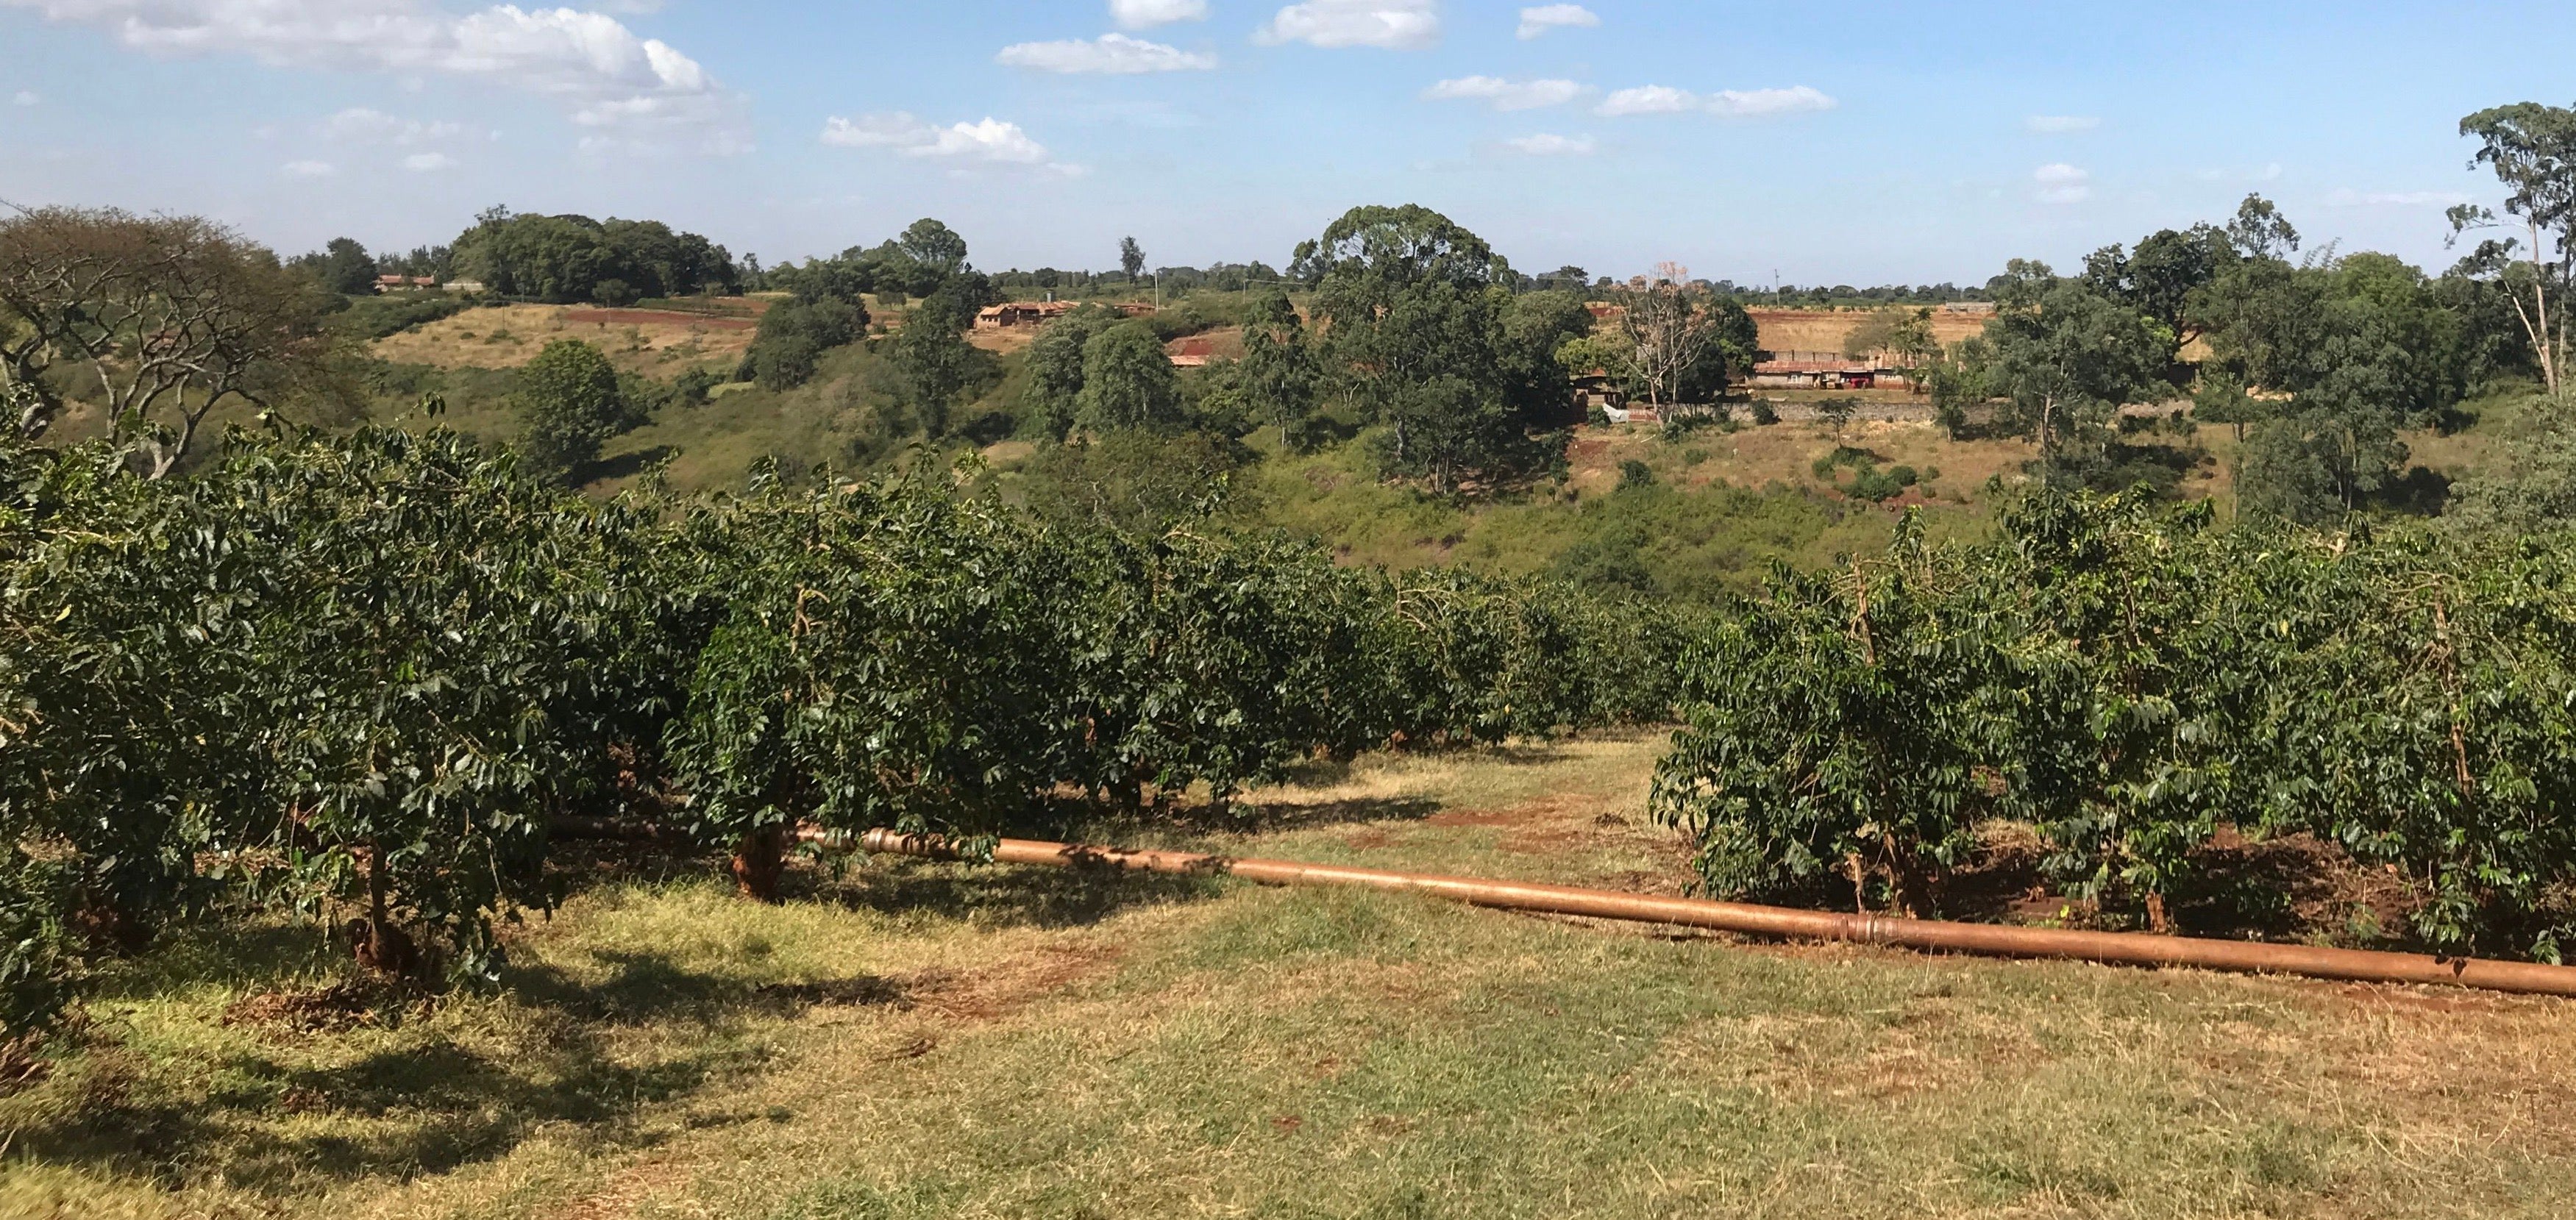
(1713, 508)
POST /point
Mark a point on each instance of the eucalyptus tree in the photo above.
(2532, 150)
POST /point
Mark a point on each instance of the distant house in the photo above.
(465, 286)
(403, 283)
(1013, 314)
(1598, 389)
(1823, 371)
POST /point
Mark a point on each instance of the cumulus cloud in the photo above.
(1546, 145)
(26, 97)
(2060, 124)
(308, 169)
(1763, 103)
(1146, 14)
(1407, 25)
(589, 60)
(2349, 198)
(991, 140)
(1728, 103)
(1506, 94)
(427, 163)
(360, 125)
(1113, 54)
(1546, 17)
(2063, 183)
(1648, 99)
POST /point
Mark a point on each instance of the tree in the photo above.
(567, 259)
(346, 268)
(2326, 364)
(170, 316)
(1672, 325)
(1415, 313)
(1278, 374)
(932, 360)
(2532, 149)
(1904, 335)
(1054, 392)
(934, 246)
(2065, 359)
(1131, 258)
(569, 405)
(1128, 382)
(794, 334)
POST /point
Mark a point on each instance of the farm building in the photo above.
(1021, 313)
(403, 283)
(1598, 389)
(1824, 371)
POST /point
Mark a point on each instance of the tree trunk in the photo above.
(759, 860)
(377, 943)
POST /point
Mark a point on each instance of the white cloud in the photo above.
(308, 169)
(1545, 145)
(427, 163)
(1506, 94)
(1649, 99)
(2349, 198)
(991, 140)
(1408, 25)
(1763, 103)
(1727, 103)
(2060, 124)
(1545, 17)
(1114, 54)
(589, 60)
(2063, 183)
(359, 125)
(1146, 14)
(26, 97)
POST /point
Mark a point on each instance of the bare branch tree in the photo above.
(171, 316)
(1672, 327)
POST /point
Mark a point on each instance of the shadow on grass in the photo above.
(1012, 896)
(276, 1127)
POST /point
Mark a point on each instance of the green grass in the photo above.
(915, 1040)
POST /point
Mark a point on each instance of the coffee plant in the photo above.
(2132, 682)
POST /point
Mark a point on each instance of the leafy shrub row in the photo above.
(370, 675)
(2131, 682)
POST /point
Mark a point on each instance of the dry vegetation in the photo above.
(914, 1040)
(1823, 330)
(656, 344)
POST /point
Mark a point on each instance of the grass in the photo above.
(915, 1040)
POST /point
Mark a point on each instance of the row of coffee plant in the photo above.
(375, 675)
(2134, 683)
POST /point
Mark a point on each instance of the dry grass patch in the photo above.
(658, 345)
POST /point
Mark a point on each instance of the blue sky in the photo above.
(1824, 141)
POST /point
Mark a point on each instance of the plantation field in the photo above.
(656, 343)
(1823, 330)
(916, 1040)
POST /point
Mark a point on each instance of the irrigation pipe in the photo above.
(2122, 948)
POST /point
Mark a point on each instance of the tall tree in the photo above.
(1415, 311)
(1053, 396)
(1128, 382)
(1672, 324)
(1278, 373)
(2532, 149)
(569, 406)
(171, 317)
(1131, 258)
(2064, 359)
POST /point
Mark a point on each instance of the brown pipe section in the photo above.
(2124, 948)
